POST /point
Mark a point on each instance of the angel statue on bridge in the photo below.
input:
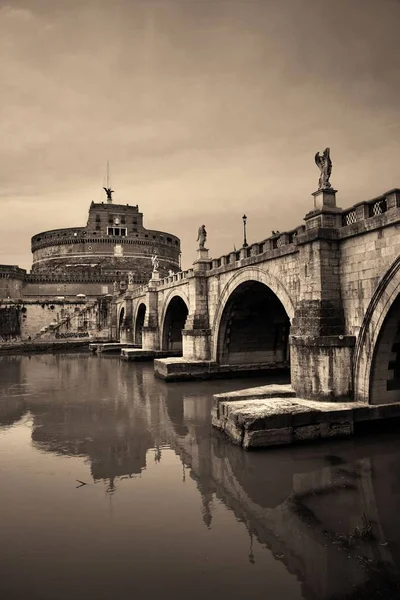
(154, 262)
(202, 236)
(324, 164)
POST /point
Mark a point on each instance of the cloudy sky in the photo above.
(206, 109)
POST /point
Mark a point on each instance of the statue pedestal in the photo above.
(203, 262)
(155, 276)
(202, 254)
(325, 197)
(325, 214)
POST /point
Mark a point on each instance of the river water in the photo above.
(114, 486)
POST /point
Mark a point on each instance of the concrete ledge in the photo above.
(271, 416)
(136, 354)
(177, 369)
(108, 347)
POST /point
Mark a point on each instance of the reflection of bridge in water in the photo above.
(327, 525)
(326, 513)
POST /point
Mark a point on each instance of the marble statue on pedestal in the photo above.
(202, 236)
(324, 163)
(155, 263)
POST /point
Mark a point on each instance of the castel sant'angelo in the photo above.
(113, 246)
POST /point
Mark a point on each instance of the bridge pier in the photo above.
(321, 353)
(151, 330)
(150, 338)
(126, 329)
(321, 367)
(196, 344)
(197, 335)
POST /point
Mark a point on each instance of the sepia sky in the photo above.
(206, 109)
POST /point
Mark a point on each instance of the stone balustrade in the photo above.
(371, 208)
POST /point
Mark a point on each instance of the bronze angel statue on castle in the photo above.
(324, 164)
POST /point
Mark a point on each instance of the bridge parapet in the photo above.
(176, 277)
(267, 248)
(371, 208)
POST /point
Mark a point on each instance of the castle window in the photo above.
(98, 219)
(123, 220)
(134, 221)
(169, 239)
(116, 231)
(98, 227)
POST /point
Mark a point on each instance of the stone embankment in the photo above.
(271, 415)
(36, 347)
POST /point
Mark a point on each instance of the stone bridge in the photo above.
(321, 299)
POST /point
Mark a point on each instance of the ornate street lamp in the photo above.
(245, 244)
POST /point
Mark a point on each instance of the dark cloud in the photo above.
(204, 108)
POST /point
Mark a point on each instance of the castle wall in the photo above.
(11, 281)
(62, 320)
(57, 288)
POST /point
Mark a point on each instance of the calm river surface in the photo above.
(169, 508)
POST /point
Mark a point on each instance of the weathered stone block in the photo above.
(306, 433)
(268, 437)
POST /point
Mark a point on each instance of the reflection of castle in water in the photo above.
(328, 520)
(76, 414)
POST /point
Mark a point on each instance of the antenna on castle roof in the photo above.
(108, 189)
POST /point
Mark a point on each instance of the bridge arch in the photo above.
(377, 352)
(241, 307)
(140, 315)
(173, 318)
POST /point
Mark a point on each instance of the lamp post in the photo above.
(245, 244)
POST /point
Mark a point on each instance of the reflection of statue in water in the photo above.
(109, 192)
(155, 263)
(324, 164)
(202, 236)
(130, 278)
